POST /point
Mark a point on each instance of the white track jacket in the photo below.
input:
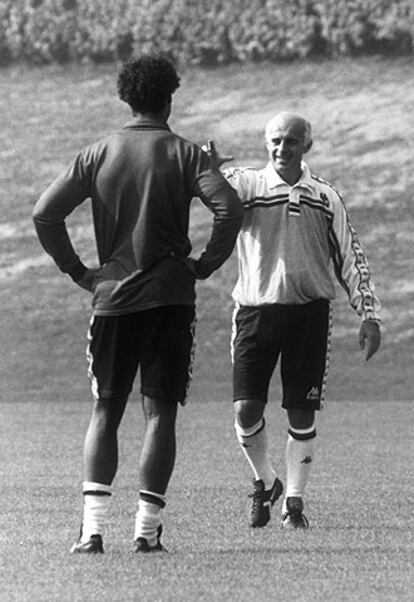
(290, 237)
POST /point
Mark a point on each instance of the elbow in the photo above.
(36, 216)
(42, 216)
(38, 213)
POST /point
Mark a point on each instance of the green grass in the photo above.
(360, 545)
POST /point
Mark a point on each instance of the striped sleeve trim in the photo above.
(337, 258)
(360, 263)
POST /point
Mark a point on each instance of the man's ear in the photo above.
(308, 146)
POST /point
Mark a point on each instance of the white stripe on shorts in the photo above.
(192, 356)
(233, 330)
(89, 357)
(328, 356)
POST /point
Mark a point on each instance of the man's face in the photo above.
(285, 142)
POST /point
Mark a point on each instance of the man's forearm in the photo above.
(228, 216)
(55, 240)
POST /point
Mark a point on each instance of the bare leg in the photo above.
(100, 457)
(159, 447)
(101, 441)
(155, 468)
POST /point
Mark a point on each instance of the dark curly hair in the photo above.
(147, 83)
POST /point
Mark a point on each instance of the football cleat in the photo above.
(142, 545)
(93, 546)
(294, 518)
(262, 502)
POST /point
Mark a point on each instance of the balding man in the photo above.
(295, 226)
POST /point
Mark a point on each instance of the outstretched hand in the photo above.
(210, 149)
(369, 337)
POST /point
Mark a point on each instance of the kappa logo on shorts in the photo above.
(313, 394)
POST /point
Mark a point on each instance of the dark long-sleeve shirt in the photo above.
(141, 181)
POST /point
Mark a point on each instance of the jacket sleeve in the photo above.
(68, 191)
(222, 200)
(351, 265)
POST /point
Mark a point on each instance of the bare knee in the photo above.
(107, 412)
(159, 410)
(248, 412)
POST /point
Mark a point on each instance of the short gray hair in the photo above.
(286, 115)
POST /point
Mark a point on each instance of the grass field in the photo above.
(360, 546)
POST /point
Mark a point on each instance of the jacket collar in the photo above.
(146, 123)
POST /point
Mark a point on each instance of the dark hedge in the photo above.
(208, 32)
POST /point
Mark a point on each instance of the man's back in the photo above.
(141, 181)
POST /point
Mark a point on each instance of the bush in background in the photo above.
(205, 32)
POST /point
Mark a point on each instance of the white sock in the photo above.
(299, 459)
(148, 516)
(253, 441)
(96, 497)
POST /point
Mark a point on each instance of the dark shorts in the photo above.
(160, 341)
(299, 334)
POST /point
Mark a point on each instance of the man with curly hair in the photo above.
(141, 181)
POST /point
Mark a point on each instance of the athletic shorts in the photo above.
(160, 341)
(299, 334)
